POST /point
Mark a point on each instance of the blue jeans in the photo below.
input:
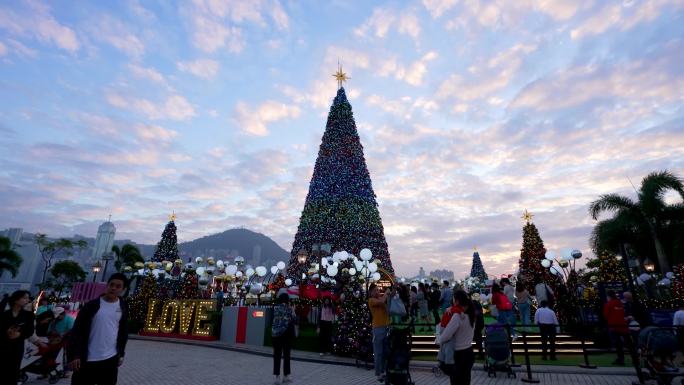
(379, 336)
(524, 313)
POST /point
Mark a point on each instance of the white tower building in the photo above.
(104, 240)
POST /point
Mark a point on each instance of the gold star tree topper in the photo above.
(172, 217)
(527, 216)
(340, 76)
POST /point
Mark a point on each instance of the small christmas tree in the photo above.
(354, 333)
(531, 255)
(610, 269)
(477, 270)
(139, 302)
(167, 248)
(189, 288)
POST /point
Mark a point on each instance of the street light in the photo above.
(96, 269)
(302, 257)
(649, 266)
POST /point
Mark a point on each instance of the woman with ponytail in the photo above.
(457, 330)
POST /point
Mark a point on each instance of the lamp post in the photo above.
(106, 257)
(649, 266)
(96, 269)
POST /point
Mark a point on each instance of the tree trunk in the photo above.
(660, 252)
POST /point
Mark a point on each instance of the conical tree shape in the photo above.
(340, 208)
(477, 270)
(531, 255)
(167, 248)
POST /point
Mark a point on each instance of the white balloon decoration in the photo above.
(546, 263)
(274, 269)
(358, 265)
(343, 255)
(554, 270)
(261, 271)
(366, 254)
(198, 260)
(550, 255)
(238, 274)
(200, 271)
(336, 256)
(249, 272)
(336, 264)
(231, 269)
(324, 261)
(352, 271)
(332, 271)
(376, 276)
(566, 254)
(220, 265)
(372, 267)
(280, 265)
(288, 282)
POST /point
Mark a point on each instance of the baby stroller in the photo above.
(497, 351)
(47, 362)
(658, 347)
(398, 357)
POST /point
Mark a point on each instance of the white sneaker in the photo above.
(277, 380)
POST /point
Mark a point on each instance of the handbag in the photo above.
(397, 307)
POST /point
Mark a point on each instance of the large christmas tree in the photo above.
(532, 253)
(477, 270)
(139, 302)
(167, 248)
(340, 208)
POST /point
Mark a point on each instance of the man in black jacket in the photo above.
(99, 336)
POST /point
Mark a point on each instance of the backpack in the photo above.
(282, 318)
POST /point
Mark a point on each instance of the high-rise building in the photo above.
(30, 266)
(104, 240)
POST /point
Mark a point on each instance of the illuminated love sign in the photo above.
(178, 316)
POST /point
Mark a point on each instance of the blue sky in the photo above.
(470, 111)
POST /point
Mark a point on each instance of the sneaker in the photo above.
(277, 380)
(287, 379)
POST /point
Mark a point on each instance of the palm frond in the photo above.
(654, 185)
(611, 202)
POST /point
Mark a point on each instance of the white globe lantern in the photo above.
(280, 265)
(366, 254)
(288, 282)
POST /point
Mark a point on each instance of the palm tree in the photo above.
(10, 260)
(649, 214)
(127, 255)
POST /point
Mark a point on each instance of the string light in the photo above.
(201, 315)
(167, 324)
(151, 322)
(186, 311)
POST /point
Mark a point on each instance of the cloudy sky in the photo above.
(470, 111)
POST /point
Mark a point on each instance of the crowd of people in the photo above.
(94, 341)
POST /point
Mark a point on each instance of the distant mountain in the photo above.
(256, 248)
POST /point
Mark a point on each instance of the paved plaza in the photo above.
(164, 363)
